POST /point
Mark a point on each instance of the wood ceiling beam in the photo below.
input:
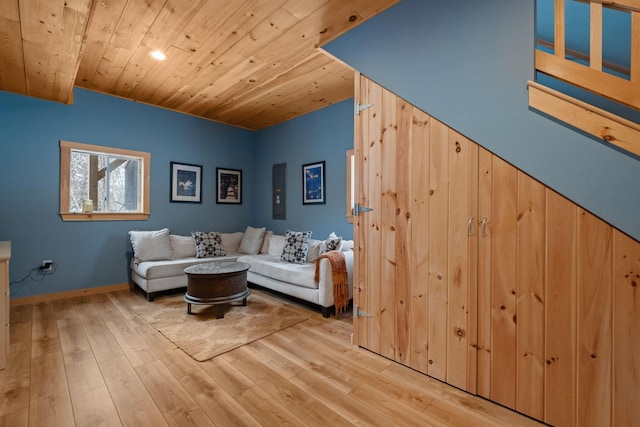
(12, 76)
(52, 34)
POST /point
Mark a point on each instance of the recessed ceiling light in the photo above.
(159, 55)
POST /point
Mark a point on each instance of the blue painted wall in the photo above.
(91, 254)
(323, 135)
(467, 63)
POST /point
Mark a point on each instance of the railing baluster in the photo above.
(635, 47)
(559, 28)
(595, 57)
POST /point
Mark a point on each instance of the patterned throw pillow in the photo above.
(208, 244)
(296, 246)
(332, 243)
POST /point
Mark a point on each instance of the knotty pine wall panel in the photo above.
(420, 214)
(553, 288)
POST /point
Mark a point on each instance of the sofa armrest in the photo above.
(325, 279)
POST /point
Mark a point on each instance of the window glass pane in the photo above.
(79, 180)
(122, 195)
(109, 182)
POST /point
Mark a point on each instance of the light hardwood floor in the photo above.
(92, 361)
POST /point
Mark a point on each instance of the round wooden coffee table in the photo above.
(216, 283)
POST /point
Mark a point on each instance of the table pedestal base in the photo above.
(217, 301)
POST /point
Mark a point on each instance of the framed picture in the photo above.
(229, 186)
(186, 183)
(313, 188)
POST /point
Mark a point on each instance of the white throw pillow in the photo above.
(252, 240)
(182, 246)
(296, 246)
(346, 245)
(265, 245)
(151, 245)
(231, 241)
(276, 243)
(314, 250)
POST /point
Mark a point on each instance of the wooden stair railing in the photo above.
(623, 133)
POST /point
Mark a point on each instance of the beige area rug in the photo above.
(203, 337)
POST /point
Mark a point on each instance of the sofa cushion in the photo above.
(182, 246)
(231, 241)
(252, 240)
(276, 244)
(150, 245)
(296, 246)
(273, 267)
(208, 244)
(171, 268)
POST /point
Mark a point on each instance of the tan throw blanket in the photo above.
(339, 276)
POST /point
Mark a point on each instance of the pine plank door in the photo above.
(511, 290)
(416, 250)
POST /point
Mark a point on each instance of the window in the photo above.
(103, 183)
(351, 168)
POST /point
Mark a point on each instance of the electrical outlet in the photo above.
(47, 265)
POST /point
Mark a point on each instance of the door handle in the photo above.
(470, 226)
(484, 226)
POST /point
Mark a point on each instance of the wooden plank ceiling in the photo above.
(248, 63)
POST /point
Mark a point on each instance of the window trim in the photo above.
(65, 166)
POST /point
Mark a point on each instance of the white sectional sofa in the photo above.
(162, 270)
(268, 270)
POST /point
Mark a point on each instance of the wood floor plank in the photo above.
(313, 362)
(130, 397)
(15, 419)
(359, 374)
(91, 360)
(448, 415)
(102, 342)
(74, 342)
(125, 334)
(228, 376)
(92, 404)
(353, 410)
(285, 367)
(463, 402)
(126, 302)
(15, 378)
(298, 402)
(216, 402)
(172, 398)
(44, 332)
(50, 402)
(402, 413)
(266, 410)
